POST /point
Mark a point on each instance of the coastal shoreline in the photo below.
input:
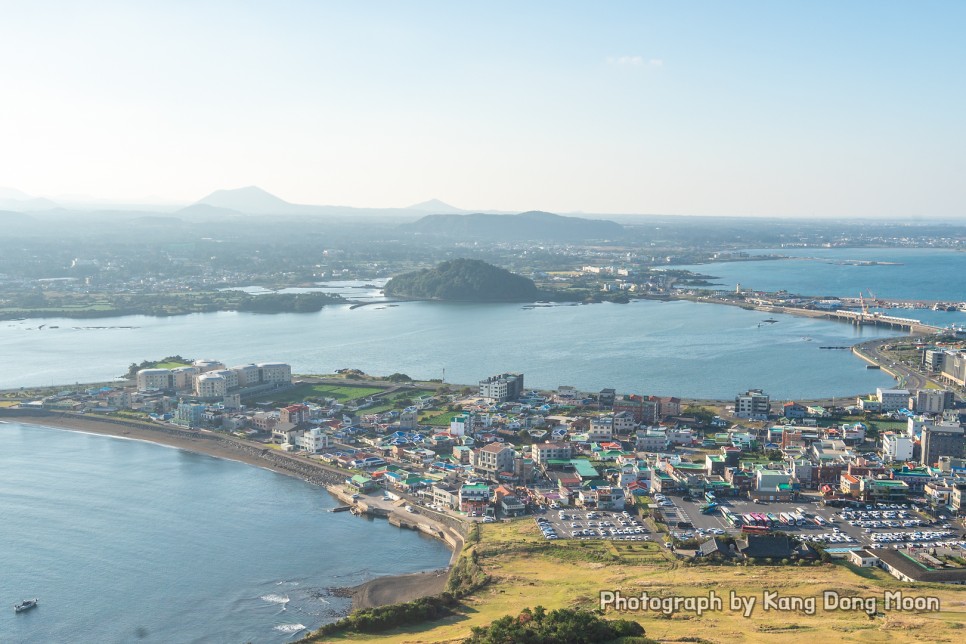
(388, 589)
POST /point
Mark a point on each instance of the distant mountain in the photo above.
(463, 280)
(13, 193)
(435, 206)
(251, 200)
(533, 225)
(205, 211)
(30, 204)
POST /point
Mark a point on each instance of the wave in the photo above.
(290, 628)
(275, 599)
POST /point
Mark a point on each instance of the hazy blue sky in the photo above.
(741, 108)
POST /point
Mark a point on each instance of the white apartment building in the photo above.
(202, 377)
(753, 404)
(543, 452)
(313, 440)
(274, 372)
(247, 375)
(462, 425)
(152, 379)
(184, 378)
(652, 439)
(896, 447)
(892, 399)
(601, 428)
(211, 385)
(207, 365)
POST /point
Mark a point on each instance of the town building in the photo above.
(639, 408)
(490, 460)
(313, 440)
(474, 498)
(933, 359)
(918, 567)
(896, 447)
(931, 401)
(794, 411)
(753, 404)
(942, 440)
(606, 397)
(544, 452)
(892, 399)
(506, 386)
(954, 368)
(155, 380)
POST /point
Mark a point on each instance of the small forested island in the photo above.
(463, 280)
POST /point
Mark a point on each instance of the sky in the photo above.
(782, 109)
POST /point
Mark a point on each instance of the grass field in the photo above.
(530, 571)
(389, 402)
(301, 392)
(437, 419)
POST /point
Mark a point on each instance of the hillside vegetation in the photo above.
(464, 280)
(524, 569)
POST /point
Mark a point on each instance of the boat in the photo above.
(26, 604)
(872, 366)
(770, 320)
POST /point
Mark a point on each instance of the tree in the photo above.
(704, 415)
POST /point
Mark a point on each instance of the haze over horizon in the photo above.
(735, 109)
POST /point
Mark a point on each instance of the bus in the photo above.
(747, 519)
(732, 518)
(786, 518)
(772, 519)
(709, 496)
(755, 529)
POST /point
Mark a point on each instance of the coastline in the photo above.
(388, 589)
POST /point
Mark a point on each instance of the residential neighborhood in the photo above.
(669, 471)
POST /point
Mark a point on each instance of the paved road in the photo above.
(908, 378)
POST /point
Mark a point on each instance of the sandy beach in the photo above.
(376, 592)
(94, 426)
(398, 588)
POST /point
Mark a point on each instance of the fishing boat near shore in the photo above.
(26, 604)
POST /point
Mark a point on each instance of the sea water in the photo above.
(127, 541)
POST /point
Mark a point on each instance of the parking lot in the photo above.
(573, 523)
(880, 526)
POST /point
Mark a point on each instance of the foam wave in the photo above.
(290, 628)
(275, 599)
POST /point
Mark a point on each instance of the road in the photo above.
(907, 377)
